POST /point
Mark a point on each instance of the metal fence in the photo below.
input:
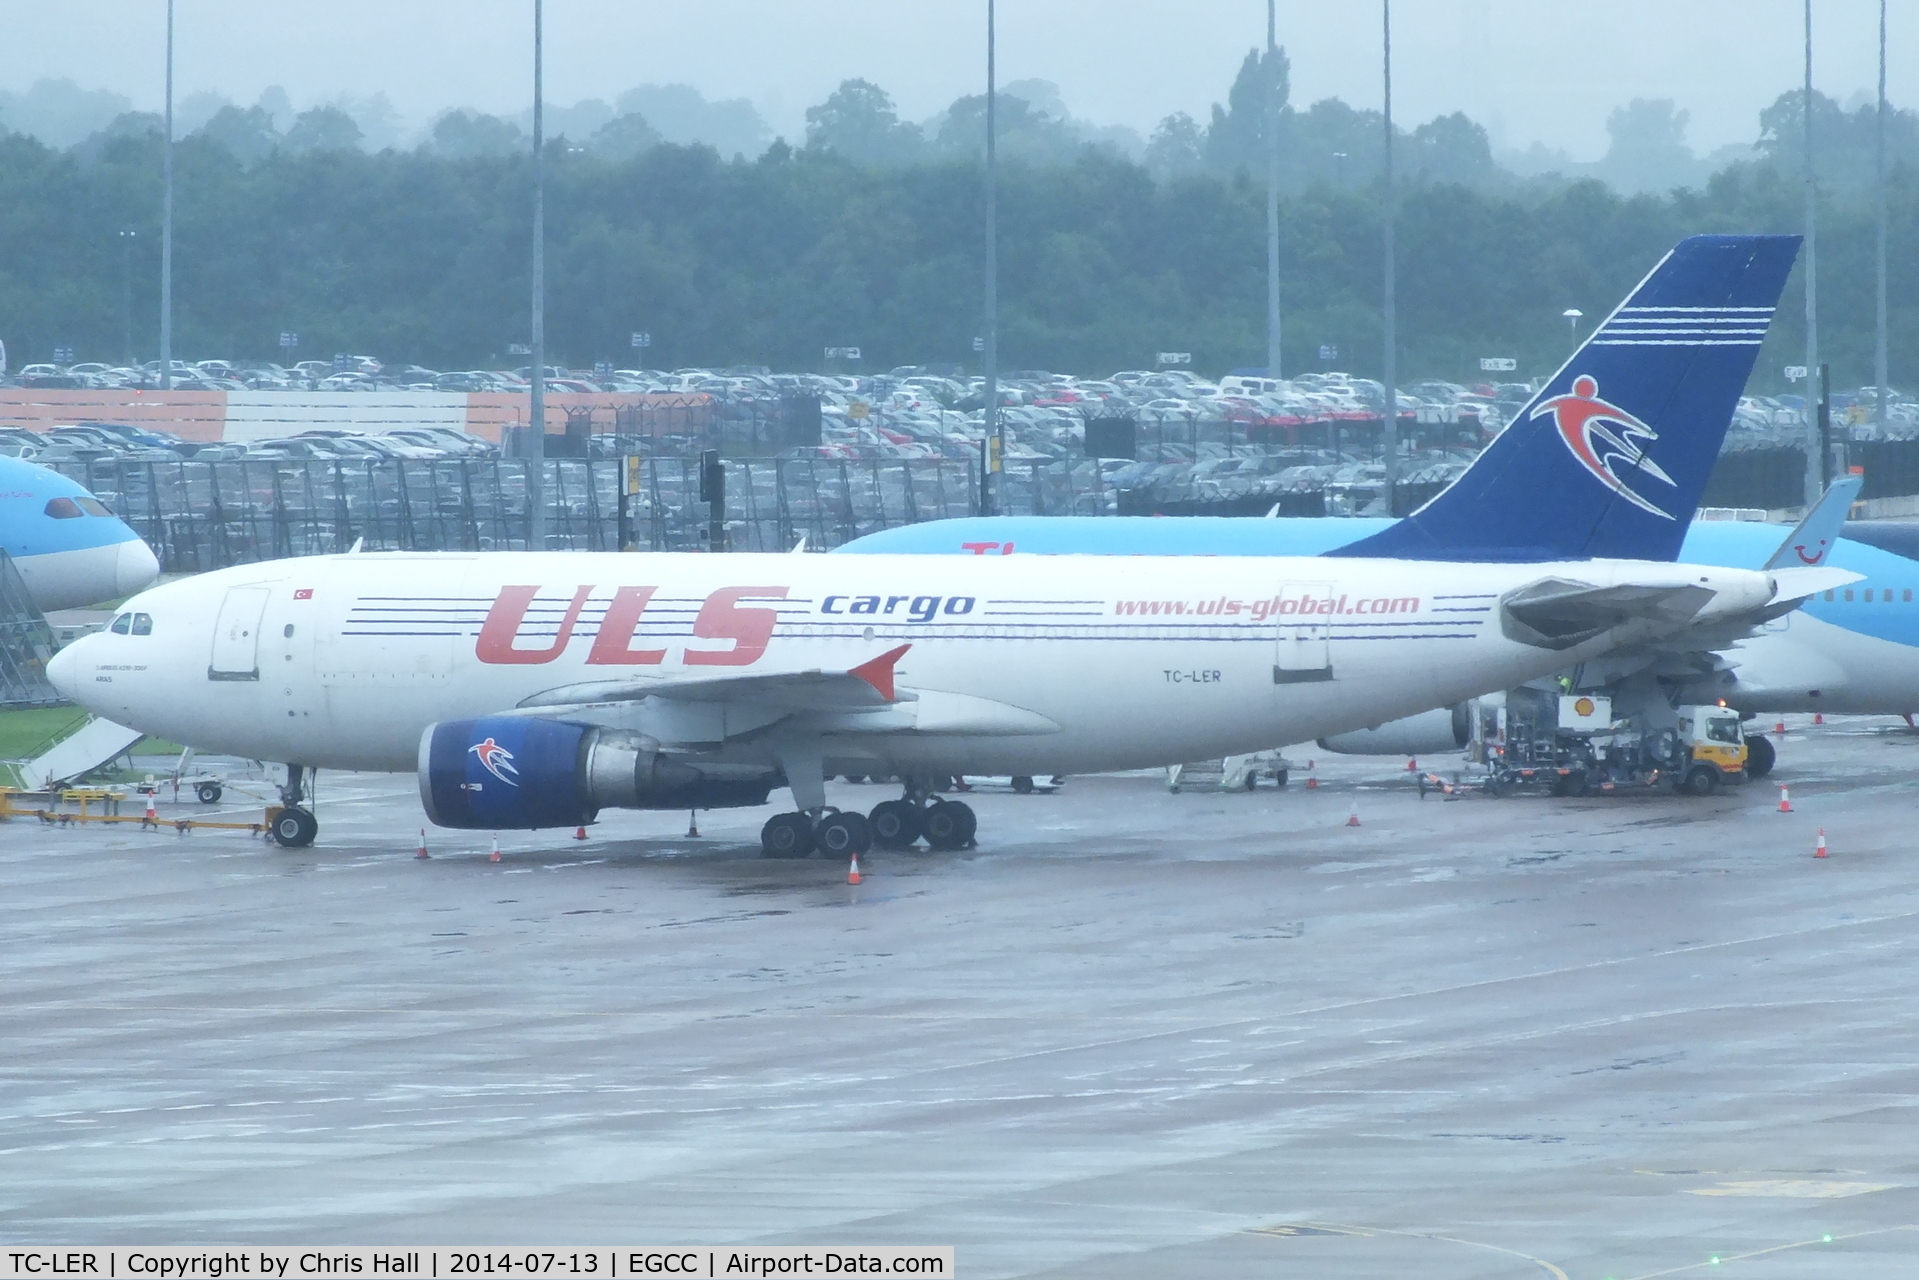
(205, 515)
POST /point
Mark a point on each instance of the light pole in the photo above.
(1339, 169)
(536, 435)
(1879, 331)
(1814, 466)
(1389, 437)
(166, 225)
(995, 443)
(1272, 192)
(126, 290)
(1572, 315)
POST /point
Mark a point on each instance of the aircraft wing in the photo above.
(859, 688)
(864, 699)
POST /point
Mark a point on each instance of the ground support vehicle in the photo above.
(1574, 744)
(1231, 773)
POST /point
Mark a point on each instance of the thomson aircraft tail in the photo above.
(1610, 458)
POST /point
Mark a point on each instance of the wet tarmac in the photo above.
(1133, 1034)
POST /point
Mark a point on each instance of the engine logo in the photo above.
(497, 760)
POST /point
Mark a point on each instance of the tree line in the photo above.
(421, 255)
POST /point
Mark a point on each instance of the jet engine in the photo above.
(521, 773)
(1428, 733)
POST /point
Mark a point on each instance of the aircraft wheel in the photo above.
(950, 825)
(1571, 785)
(209, 792)
(843, 835)
(1702, 781)
(294, 828)
(786, 835)
(896, 824)
(1279, 778)
(1760, 756)
(1023, 786)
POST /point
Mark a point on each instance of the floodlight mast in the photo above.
(1389, 433)
(1815, 465)
(1273, 369)
(166, 224)
(992, 474)
(1879, 372)
(535, 435)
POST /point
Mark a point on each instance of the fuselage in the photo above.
(1852, 650)
(1064, 664)
(70, 550)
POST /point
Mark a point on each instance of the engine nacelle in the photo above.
(521, 773)
(1428, 733)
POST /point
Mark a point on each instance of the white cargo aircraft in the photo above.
(533, 690)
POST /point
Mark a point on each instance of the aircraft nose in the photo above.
(135, 567)
(63, 671)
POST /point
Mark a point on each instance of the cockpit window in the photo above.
(121, 624)
(93, 506)
(63, 509)
(142, 624)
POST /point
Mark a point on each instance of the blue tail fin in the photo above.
(1609, 460)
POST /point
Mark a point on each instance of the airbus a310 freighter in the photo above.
(532, 690)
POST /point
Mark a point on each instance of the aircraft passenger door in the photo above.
(1305, 624)
(236, 635)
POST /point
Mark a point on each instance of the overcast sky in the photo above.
(1530, 70)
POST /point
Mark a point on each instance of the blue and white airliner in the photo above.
(70, 550)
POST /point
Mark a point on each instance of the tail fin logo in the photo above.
(1603, 437)
(497, 760)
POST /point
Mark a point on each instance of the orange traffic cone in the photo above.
(579, 832)
(150, 817)
(1819, 850)
(1352, 818)
(1312, 778)
(421, 851)
(495, 855)
(1785, 799)
(1412, 764)
(1818, 717)
(1780, 727)
(853, 872)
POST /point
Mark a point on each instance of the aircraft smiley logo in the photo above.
(497, 760)
(1601, 436)
(1799, 548)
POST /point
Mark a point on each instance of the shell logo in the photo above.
(1584, 706)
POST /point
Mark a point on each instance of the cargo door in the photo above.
(1305, 623)
(236, 635)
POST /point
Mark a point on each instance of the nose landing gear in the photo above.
(294, 826)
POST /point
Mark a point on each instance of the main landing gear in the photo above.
(945, 825)
(835, 834)
(294, 827)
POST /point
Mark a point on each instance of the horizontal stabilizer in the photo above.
(1554, 613)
